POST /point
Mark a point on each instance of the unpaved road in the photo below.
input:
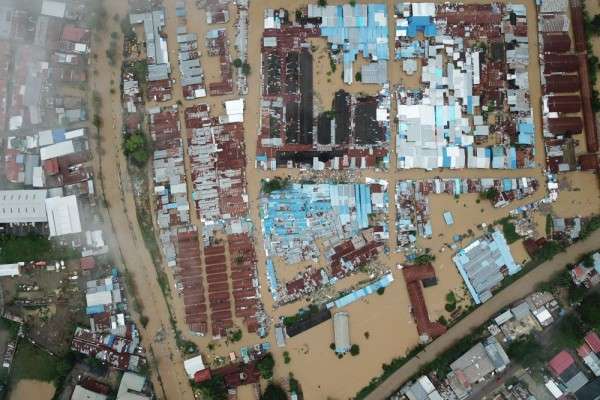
(517, 290)
(169, 378)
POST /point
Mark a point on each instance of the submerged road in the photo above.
(519, 289)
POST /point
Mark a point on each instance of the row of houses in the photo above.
(566, 101)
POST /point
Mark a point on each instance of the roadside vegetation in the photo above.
(569, 330)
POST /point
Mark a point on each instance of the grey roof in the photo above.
(374, 72)
(341, 331)
(5, 22)
(156, 45)
(191, 72)
(521, 311)
(158, 72)
(131, 386)
(31, 161)
(475, 363)
(23, 206)
(576, 382)
(496, 354)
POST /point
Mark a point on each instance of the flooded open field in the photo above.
(29, 389)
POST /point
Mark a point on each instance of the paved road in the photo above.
(517, 290)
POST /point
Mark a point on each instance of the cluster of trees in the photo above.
(137, 148)
(238, 63)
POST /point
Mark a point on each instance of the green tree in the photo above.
(526, 351)
(354, 350)
(590, 310)
(237, 63)
(358, 76)
(322, 3)
(286, 357)
(294, 384)
(490, 194)
(246, 69)
(213, 389)
(266, 365)
(274, 392)
(136, 147)
(380, 291)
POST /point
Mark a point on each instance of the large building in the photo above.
(23, 206)
(476, 365)
(484, 263)
(341, 332)
(63, 215)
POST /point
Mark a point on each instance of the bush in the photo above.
(265, 366)
(286, 357)
(358, 76)
(424, 259)
(450, 307)
(236, 336)
(354, 350)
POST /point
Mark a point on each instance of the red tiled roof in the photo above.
(202, 375)
(584, 350)
(87, 263)
(560, 362)
(593, 341)
(75, 34)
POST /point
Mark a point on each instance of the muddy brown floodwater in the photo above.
(31, 389)
(381, 325)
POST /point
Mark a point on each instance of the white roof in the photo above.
(235, 110)
(102, 298)
(57, 150)
(554, 389)
(131, 385)
(423, 9)
(38, 178)
(81, 393)
(23, 206)
(9, 270)
(193, 365)
(63, 215)
(75, 133)
(53, 8)
(45, 138)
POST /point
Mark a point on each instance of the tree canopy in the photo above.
(274, 392)
(266, 365)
